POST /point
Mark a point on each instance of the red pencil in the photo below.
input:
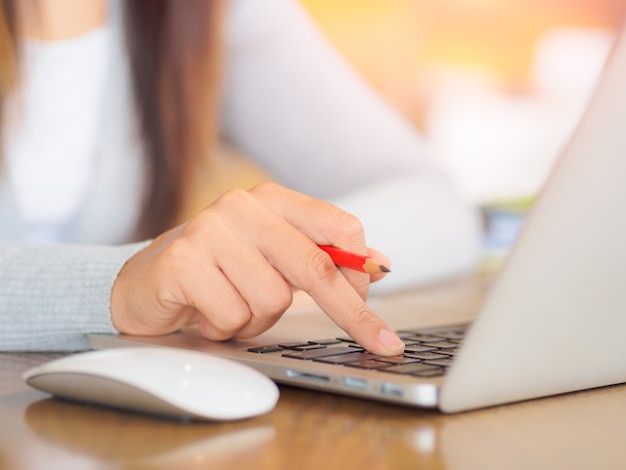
(348, 259)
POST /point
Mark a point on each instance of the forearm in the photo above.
(299, 111)
(52, 296)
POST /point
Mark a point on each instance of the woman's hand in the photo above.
(233, 266)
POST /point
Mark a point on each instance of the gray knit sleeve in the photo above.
(52, 296)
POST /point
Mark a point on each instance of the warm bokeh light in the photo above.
(497, 85)
(392, 43)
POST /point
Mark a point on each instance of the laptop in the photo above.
(554, 319)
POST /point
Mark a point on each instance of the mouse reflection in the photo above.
(139, 440)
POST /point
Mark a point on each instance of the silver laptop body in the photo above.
(554, 320)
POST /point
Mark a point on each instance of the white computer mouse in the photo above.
(171, 382)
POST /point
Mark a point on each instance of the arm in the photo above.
(52, 295)
(297, 109)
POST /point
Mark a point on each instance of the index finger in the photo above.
(334, 294)
(294, 252)
(321, 222)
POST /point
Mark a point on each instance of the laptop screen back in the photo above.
(562, 293)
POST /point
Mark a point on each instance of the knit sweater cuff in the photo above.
(52, 296)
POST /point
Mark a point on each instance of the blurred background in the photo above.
(496, 85)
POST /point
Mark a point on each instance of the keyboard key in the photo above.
(326, 342)
(451, 352)
(411, 369)
(398, 359)
(436, 372)
(266, 349)
(346, 339)
(405, 336)
(455, 335)
(422, 338)
(418, 348)
(426, 356)
(294, 344)
(307, 347)
(368, 364)
(444, 344)
(441, 362)
(345, 358)
(306, 355)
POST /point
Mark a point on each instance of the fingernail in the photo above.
(391, 341)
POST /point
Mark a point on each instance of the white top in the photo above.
(289, 103)
(55, 124)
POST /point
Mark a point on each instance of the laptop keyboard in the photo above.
(427, 353)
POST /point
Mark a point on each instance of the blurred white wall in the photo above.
(499, 143)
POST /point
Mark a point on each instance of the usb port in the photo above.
(392, 389)
(303, 375)
(352, 382)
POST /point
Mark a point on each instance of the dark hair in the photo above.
(9, 71)
(174, 49)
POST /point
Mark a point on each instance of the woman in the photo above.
(110, 113)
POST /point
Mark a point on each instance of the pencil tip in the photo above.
(384, 269)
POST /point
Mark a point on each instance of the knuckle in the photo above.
(357, 317)
(234, 198)
(226, 326)
(213, 332)
(360, 318)
(235, 320)
(362, 286)
(202, 223)
(267, 187)
(275, 303)
(350, 226)
(320, 266)
(176, 254)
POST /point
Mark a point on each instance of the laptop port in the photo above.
(352, 382)
(394, 390)
(294, 374)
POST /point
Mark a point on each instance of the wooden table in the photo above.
(311, 430)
